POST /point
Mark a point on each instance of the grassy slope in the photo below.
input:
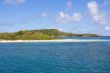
(45, 34)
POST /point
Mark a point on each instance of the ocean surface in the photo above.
(56, 57)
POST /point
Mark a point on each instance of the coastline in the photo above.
(61, 40)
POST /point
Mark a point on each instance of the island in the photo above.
(43, 34)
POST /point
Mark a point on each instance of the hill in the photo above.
(44, 34)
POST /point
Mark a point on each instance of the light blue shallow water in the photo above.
(87, 38)
(86, 57)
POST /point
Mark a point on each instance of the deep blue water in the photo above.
(86, 57)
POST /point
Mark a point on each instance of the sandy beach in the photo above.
(64, 40)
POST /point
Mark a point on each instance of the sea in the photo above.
(56, 57)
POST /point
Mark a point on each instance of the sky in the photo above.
(76, 16)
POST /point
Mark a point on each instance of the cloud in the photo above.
(66, 18)
(69, 4)
(17, 2)
(107, 28)
(76, 17)
(96, 15)
(43, 15)
(39, 15)
(62, 17)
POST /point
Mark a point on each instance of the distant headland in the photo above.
(43, 34)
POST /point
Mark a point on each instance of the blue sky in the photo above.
(77, 16)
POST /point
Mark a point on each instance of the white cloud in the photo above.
(66, 18)
(41, 15)
(14, 1)
(69, 4)
(96, 15)
(62, 17)
(107, 28)
(76, 17)
(44, 15)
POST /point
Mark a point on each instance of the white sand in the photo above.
(64, 40)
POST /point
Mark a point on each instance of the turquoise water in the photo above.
(95, 38)
(86, 57)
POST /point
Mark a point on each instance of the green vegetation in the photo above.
(45, 34)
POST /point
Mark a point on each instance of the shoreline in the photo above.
(61, 40)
